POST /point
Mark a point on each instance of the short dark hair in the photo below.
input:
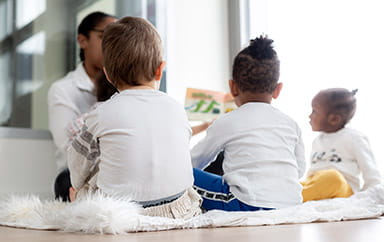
(340, 101)
(131, 51)
(88, 24)
(257, 67)
(62, 185)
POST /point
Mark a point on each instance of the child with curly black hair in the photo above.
(340, 155)
(262, 147)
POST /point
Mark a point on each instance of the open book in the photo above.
(206, 105)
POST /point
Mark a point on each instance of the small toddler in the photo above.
(340, 155)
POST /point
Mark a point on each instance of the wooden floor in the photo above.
(370, 230)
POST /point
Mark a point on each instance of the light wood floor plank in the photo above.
(370, 230)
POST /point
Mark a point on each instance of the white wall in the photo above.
(197, 46)
(27, 166)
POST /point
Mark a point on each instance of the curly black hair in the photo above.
(257, 67)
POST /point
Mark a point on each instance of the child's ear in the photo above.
(334, 119)
(276, 92)
(82, 40)
(233, 88)
(159, 71)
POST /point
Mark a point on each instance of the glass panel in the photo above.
(129, 8)
(5, 89)
(5, 18)
(28, 10)
(151, 11)
(29, 66)
(105, 6)
(29, 69)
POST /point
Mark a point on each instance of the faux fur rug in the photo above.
(101, 214)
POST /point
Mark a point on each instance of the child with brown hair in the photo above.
(140, 135)
(262, 147)
(340, 155)
(104, 90)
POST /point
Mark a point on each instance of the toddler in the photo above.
(340, 155)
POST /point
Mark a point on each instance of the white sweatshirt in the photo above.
(142, 140)
(348, 151)
(263, 155)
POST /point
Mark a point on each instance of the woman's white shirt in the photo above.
(68, 98)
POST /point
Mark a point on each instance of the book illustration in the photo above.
(206, 105)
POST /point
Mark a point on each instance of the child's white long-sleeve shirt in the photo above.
(263, 155)
(141, 138)
(348, 151)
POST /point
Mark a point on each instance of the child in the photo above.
(140, 135)
(339, 155)
(263, 149)
(104, 90)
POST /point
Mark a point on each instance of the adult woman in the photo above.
(74, 94)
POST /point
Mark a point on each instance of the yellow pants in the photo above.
(325, 184)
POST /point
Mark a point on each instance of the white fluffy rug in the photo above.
(101, 214)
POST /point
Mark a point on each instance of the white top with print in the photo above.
(348, 151)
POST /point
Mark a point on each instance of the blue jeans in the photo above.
(216, 195)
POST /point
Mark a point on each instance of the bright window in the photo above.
(323, 44)
(28, 10)
(5, 15)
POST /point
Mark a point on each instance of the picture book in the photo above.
(206, 105)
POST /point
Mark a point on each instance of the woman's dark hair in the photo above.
(103, 88)
(62, 185)
(88, 24)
